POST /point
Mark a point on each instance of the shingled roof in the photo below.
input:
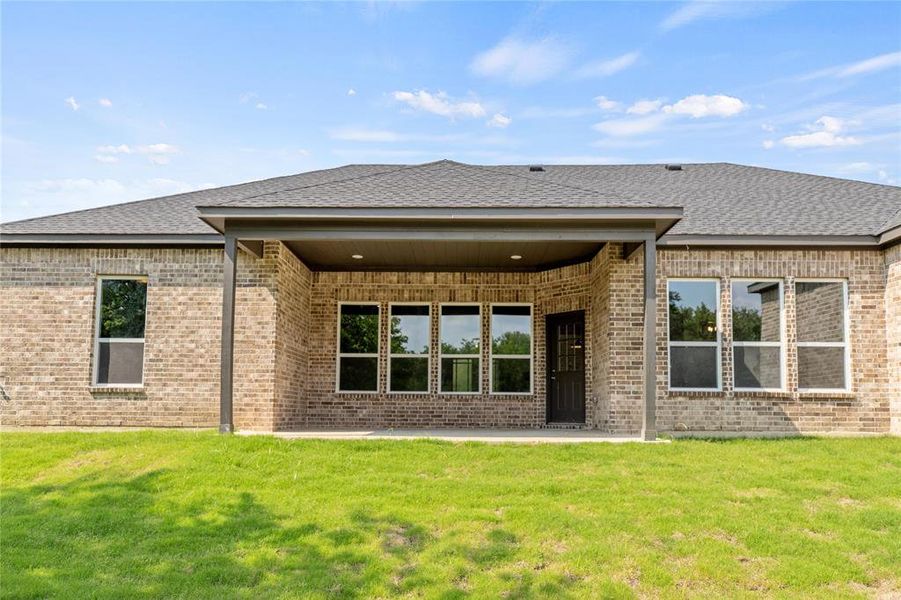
(718, 198)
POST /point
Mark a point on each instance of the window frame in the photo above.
(718, 343)
(492, 356)
(98, 295)
(339, 355)
(442, 355)
(427, 356)
(780, 344)
(846, 330)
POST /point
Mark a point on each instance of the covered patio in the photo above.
(553, 285)
(386, 243)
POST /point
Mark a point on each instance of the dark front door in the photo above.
(566, 367)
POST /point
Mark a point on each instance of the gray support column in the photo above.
(649, 427)
(229, 273)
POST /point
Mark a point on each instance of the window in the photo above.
(511, 349)
(694, 336)
(821, 315)
(358, 350)
(119, 345)
(757, 334)
(461, 348)
(408, 369)
(460, 328)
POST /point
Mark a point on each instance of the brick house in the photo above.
(632, 299)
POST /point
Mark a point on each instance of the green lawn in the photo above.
(179, 514)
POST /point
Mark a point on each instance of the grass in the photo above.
(179, 514)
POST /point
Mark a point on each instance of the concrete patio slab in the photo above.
(495, 436)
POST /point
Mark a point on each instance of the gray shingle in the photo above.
(446, 184)
(728, 199)
(718, 198)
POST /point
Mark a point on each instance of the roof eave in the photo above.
(890, 236)
(216, 216)
(770, 241)
(102, 239)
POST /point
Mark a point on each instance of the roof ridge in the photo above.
(178, 195)
(354, 178)
(892, 222)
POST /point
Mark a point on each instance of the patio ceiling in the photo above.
(434, 255)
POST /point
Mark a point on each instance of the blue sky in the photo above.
(104, 103)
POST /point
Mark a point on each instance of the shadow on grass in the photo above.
(95, 536)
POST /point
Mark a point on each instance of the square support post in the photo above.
(649, 426)
(229, 274)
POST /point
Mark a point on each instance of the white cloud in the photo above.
(439, 104)
(630, 127)
(523, 62)
(158, 154)
(768, 127)
(499, 120)
(863, 67)
(650, 115)
(700, 105)
(247, 97)
(605, 68)
(823, 134)
(644, 107)
(818, 139)
(71, 103)
(768, 144)
(261, 106)
(830, 124)
(687, 13)
(105, 102)
(120, 149)
(351, 92)
(698, 10)
(871, 65)
(606, 104)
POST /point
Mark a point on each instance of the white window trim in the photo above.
(780, 344)
(492, 355)
(718, 343)
(377, 355)
(442, 355)
(427, 355)
(98, 300)
(846, 344)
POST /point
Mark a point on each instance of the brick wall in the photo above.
(293, 342)
(286, 336)
(893, 332)
(47, 300)
(560, 290)
(47, 308)
(617, 286)
(864, 409)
